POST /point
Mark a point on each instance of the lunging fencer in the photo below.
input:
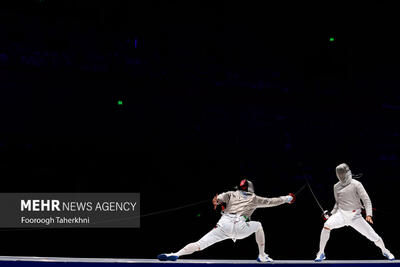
(235, 221)
(348, 194)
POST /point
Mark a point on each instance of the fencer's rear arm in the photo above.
(365, 199)
(224, 197)
(264, 202)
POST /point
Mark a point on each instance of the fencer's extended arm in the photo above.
(365, 199)
(265, 202)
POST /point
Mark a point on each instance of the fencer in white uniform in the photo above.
(348, 194)
(235, 221)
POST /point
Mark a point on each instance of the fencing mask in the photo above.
(343, 173)
(246, 185)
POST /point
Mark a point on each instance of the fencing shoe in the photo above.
(168, 257)
(320, 257)
(264, 258)
(388, 255)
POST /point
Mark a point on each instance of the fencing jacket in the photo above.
(245, 203)
(348, 196)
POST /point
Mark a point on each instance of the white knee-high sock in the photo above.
(381, 245)
(188, 249)
(260, 239)
(325, 233)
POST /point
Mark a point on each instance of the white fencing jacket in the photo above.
(349, 195)
(245, 203)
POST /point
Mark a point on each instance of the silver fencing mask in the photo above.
(343, 173)
(246, 185)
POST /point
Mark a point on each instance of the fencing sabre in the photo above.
(309, 187)
(301, 189)
(312, 192)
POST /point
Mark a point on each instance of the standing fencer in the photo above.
(235, 220)
(347, 212)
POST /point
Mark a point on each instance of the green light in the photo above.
(331, 39)
(120, 103)
(198, 215)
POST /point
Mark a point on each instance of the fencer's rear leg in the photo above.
(366, 230)
(212, 237)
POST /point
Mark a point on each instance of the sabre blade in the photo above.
(316, 200)
(301, 189)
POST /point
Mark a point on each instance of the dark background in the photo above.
(211, 91)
